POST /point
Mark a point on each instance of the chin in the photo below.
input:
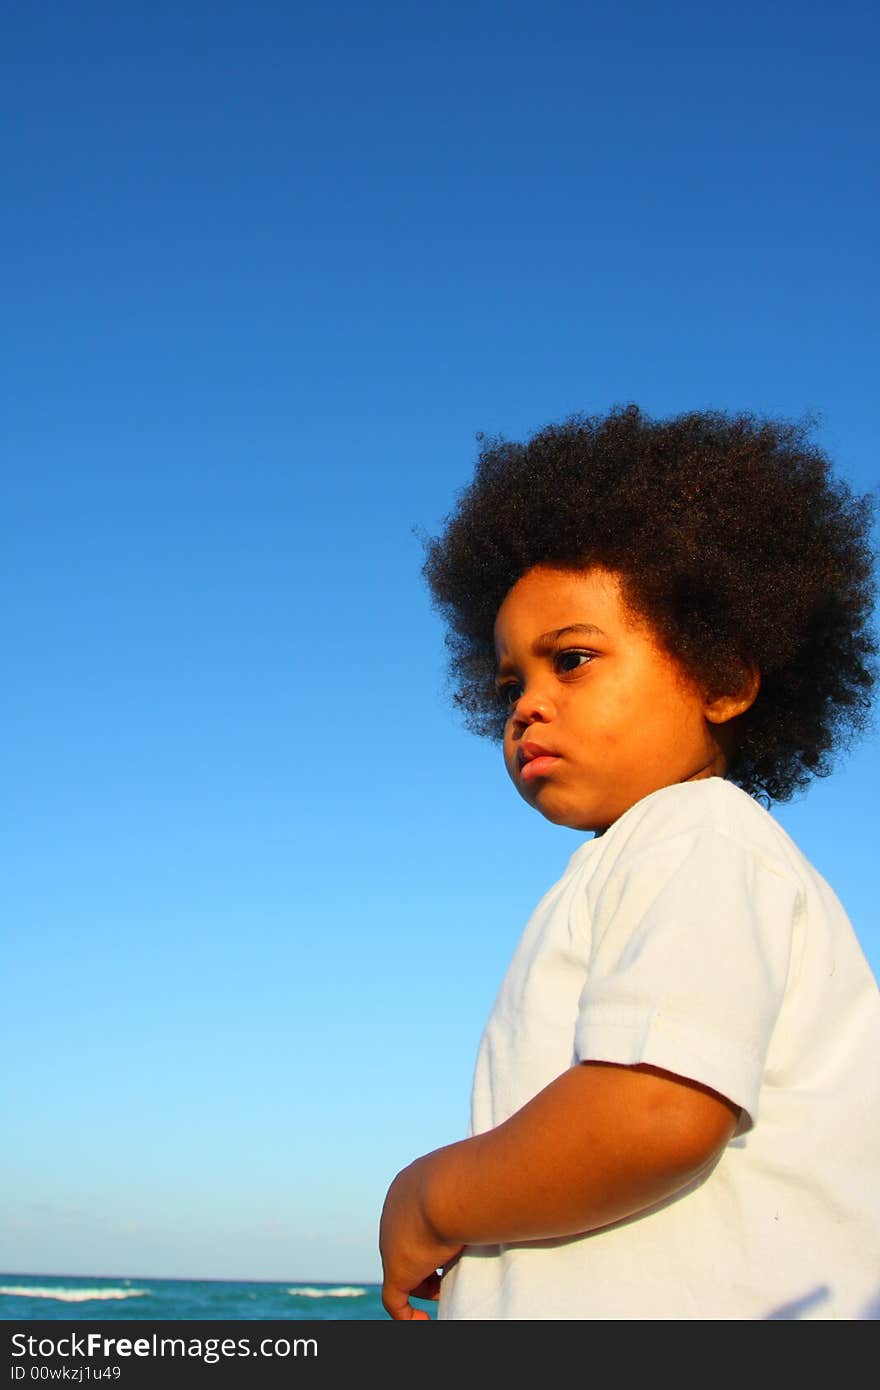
(569, 816)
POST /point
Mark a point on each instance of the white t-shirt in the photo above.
(693, 935)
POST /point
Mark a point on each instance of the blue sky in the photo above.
(268, 269)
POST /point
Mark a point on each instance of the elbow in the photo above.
(693, 1125)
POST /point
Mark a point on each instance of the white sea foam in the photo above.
(341, 1291)
(71, 1295)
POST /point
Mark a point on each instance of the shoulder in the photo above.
(709, 829)
(701, 811)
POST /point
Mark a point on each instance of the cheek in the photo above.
(626, 727)
(619, 719)
(508, 752)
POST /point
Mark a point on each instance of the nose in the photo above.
(534, 706)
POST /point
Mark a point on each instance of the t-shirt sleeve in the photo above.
(691, 941)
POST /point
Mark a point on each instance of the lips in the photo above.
(529, 750)
(535, 761)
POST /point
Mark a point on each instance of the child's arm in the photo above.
(598, 1144)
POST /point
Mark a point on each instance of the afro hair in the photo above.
(731, 537)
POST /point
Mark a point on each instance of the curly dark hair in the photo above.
(730, 536)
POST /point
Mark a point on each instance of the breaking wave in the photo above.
(71, 1295)
(340, 1291)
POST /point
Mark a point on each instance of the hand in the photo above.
(412, 1251)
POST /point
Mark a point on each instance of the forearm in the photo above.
(597, 1145)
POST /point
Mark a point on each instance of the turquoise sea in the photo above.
(31, 1297)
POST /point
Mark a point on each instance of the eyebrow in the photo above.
(547, 640)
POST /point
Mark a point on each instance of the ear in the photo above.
(722, 708)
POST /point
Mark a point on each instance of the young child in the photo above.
(676, 1106)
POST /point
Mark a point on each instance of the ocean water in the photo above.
(31, 1297)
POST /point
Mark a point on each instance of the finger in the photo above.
(397, 1305)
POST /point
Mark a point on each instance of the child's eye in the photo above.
(571, 660)
(508, 693)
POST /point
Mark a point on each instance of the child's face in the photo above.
(597, 719)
